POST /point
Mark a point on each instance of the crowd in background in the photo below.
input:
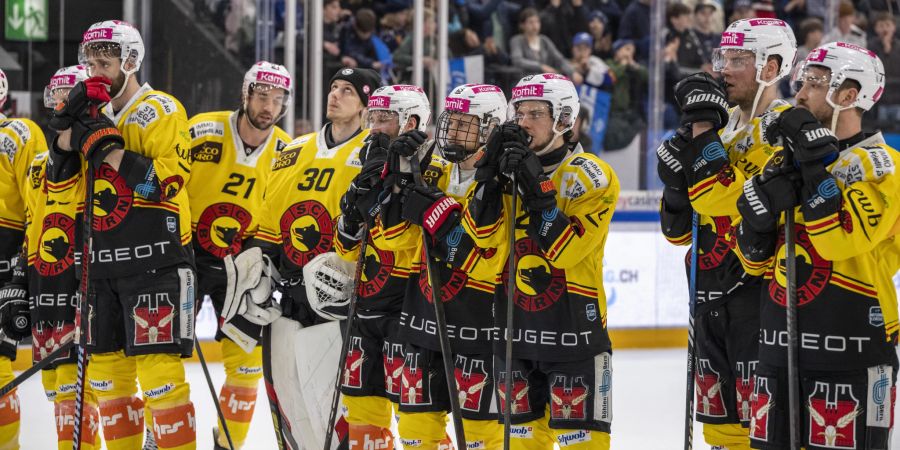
(601, 43)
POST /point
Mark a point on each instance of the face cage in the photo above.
(262, 87)
(51, 102)
(454, 151)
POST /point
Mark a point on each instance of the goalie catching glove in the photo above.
(248, 298)
(329, 285)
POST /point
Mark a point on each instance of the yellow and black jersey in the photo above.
(560, 312)
(141, 215)
(227, 184)
(51, 230)
(302, 202)
(468, 277)
(845, 263)
(20, 141)
(714, 198)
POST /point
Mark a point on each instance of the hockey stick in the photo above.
(212, 392)
(345, 339)
(434, 280)
(790, 258)
(282, 428)
(510, 310)
(692, 351)
(37, 367)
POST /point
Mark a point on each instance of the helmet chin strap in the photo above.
(556, 134)
(835, 111)
(124, 83)
(759, 90)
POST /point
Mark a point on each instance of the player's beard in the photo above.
(117, 84)
(260, 124)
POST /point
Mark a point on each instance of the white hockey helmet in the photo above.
(485, 102)
(264, 73)
(763, 37)
(4, 87)
(125, 35)
(404, 99)
(557, 90)
(846, 62)
(64, 79)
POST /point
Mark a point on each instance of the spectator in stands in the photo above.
(597, 27)
(561, 20)
(635, 26)
(356, 41)
(705, 28)
(690, 51)
(403, 59)
(846, 29)
(810, 36)
(886, 45)
(625, 118)
(612, 13)
(498, 69)
(743, 9)
(394, 21)
(535, 53)
(592, 70)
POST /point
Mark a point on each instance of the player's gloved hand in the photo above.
(768, 195)
(669, 156)
(96, 137)
(377, 144)
(702, 99)
(430, 208)
(351, 218)
(15, 315)
(488, 166)
(805, 136)
(408, 143)
(93, 91)
(675, 200)
(538, 192)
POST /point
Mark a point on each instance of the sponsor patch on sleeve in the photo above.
(210, 128)
(592, 171)
(143, 115)
(166, 103)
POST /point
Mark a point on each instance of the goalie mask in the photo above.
(397, 103)
(61, 83)
(263, 78)
(113, 38)
(470, 113)
(329, 281)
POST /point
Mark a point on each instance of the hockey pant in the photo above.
(59, 385)
(727, 356)
(161, 376)
(9, 409)
(369, 420)
(238, 395)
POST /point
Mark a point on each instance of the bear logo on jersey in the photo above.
(568, 398)
(36, 175)
(112, 199)
(376, 270)
(471, 379)
(56, 253)
(832, 415)
(714, 244)
(453, 280)
(539, 285)
(307, 230)
(813, 271)
(220, 230)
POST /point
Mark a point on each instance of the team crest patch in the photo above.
(154, 319)
(221, 228)
(307, 230)
(356, 357)
(56, 253)
(539, 285)
(833, 410)
(112, 199)
(471, 379)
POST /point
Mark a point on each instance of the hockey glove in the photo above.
(765, 197)
(408, 143)
(702, 99)
(428, 207)
(351, 219)
(250, 280)
(15, 316)
(96, 138)
(93, 91)
(675, 200)
(538, 192)
(668, 160)
(805, 136)
(488, 166)
(377, 144)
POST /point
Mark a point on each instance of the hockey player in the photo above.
(232, 154)
(371, 381)
(703, 167)
(20, 141)
(561, 371)
(468, 278)
(139, 310)
(298, 223)
(844, 192)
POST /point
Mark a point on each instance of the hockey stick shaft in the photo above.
(345, 338)
(510, 311)
(37, 367)
(791, 319)
(692, 349)
(83, 314)
(212, 391)
(434, 279)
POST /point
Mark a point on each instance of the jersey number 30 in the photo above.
(316, 179)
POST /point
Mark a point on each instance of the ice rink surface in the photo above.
(648, 400)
